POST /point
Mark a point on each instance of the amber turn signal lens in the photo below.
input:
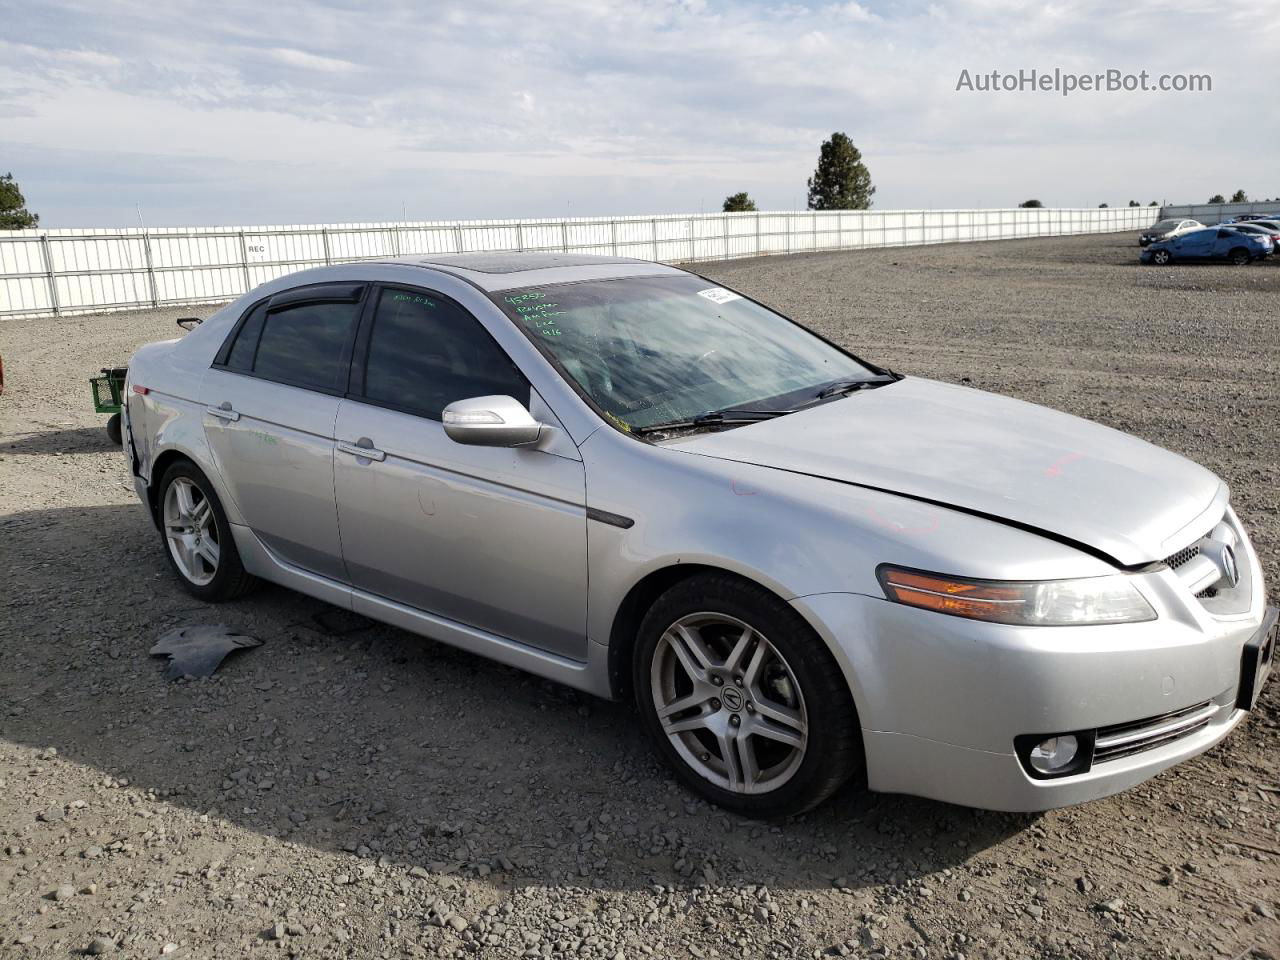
(962, 598)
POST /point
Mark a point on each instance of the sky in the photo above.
(115, 112)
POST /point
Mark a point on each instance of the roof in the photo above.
(504, 271)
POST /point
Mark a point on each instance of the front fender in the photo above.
(795, 535)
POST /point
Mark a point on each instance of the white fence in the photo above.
(83, 270)
(1211, 213)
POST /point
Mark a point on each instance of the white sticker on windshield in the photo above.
(719, 295)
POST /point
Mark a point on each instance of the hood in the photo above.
(1037, 468)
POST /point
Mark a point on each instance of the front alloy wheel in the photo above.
(1160, 258)
(743, 699)
(729, 703)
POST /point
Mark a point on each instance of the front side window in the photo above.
(658, 350)
(425, 352)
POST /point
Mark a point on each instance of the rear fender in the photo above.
(176, 430)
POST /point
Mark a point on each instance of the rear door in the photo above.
(491, 537)
(1227, 240)
(273, 393)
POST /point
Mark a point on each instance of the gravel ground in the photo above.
(349, 790)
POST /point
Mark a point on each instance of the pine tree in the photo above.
(14, 214)
(841, 180)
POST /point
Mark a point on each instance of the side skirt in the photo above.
(590, 676)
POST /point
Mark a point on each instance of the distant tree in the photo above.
(1153, 204)
(739, 203)
(1103, 206)
(14, 214)
(841, 180)
(1239, 197)
(1217, 198)
(1031, 203)
(1134, 203)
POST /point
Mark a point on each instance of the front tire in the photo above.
(1161, 258)
(743, 699)
(197, 536)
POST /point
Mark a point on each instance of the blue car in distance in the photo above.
(1212, 243)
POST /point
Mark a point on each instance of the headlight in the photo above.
(1048, 603)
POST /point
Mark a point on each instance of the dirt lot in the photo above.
(350, 790)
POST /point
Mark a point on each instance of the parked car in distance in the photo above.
(632, 480)
(1261, 229)
(1212, 243)
(1164, 229)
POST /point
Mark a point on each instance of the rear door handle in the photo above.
(362, 448)
(224, 411)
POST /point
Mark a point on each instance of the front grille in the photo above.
(1177, 561)
(1183, 556)
(1124, 739)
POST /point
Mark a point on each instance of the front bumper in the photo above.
(941, 698)
(903, 763)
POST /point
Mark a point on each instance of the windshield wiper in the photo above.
(840, 387)
(713, 419)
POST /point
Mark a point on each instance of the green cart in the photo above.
(108, 397)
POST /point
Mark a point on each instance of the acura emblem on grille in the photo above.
(1230, 572)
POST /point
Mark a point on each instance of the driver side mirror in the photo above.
(497, 421)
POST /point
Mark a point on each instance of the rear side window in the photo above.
(306, 345)
(425, 352)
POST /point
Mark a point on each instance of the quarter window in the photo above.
(246, 345)
(425, 352)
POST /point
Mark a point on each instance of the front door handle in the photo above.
(362, 448)
(223, 411)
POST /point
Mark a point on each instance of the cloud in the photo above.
(310, 61)
(526, 107)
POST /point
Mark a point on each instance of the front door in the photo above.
(491, 537)
(1195, 245)
(273, 394)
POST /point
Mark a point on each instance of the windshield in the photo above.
(1165, 225)
(652, 350)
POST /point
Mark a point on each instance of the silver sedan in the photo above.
(632, 480)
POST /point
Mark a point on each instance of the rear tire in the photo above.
(1239, 256)
(197, 536)
(743, 699)
(113, 430)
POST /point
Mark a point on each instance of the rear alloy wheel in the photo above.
(1161, 258)
(742, 698)
(197, 536)
(1239, 256)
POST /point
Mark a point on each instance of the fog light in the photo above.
(1053, 754)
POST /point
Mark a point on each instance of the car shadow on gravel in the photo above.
(54, 442)
(376, 746)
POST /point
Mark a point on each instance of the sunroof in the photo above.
(517, 262)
